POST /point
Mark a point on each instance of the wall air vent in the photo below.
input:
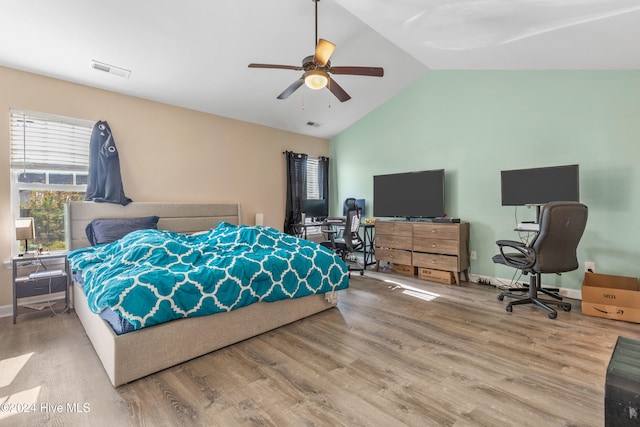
(111, 69)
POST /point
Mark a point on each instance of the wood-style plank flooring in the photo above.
(395, 352)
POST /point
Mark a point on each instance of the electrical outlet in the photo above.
(589, 267)
(473, 255)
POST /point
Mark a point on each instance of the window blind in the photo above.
(313, 191)
(42, 141)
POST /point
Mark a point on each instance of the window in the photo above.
(307, 181)
(49, 167)
(313, 186)
(316, 177)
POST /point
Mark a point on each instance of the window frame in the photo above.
(17, 167)
(311, 192)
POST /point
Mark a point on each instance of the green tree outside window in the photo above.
(47, 210)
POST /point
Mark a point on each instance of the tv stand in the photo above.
(436, 246)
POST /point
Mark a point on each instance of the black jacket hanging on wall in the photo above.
(104, 183)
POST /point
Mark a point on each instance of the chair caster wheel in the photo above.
(509, 308)
(500, 297)
(553, 315)
(566, 307)
(362, 272)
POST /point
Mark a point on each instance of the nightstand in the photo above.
(35, 275)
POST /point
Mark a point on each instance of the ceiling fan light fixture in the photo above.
(316, 79)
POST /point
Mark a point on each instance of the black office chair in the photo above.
(350, 240)
(553, 250)
(350, 202)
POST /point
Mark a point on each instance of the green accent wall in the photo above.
(474, 124)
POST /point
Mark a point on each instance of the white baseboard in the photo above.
(7, 310)
(496, 281)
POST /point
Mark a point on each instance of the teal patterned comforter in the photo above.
(153, 276)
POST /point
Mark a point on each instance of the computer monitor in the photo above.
(314, 208)
(538, 186)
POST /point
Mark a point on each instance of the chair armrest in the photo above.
(524, 256)
(329, 233)
(510, 243)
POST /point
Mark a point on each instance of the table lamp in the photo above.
(25, 230)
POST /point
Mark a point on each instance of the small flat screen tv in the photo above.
(314, 208)
(538, 186)
(409, 194)
(359, 203)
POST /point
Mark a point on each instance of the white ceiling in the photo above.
(194, 53)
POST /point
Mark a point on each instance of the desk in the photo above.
(367, 239)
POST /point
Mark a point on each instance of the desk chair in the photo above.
(552, 250)
(299, 231)
(350, 202)
(552, 292)
(350, 240)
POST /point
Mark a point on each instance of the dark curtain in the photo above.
(104, 183)
(296, 189)
(323, 178)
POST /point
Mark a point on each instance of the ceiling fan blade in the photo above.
(324, 50)
(358, 71)
(337, 90)
(284, 67)
(288, 91)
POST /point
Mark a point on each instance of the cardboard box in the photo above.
(407, 270)
(438, 276)
(611, 297)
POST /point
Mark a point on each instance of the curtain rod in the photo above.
(303, 154)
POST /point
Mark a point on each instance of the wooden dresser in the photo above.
(437, 246)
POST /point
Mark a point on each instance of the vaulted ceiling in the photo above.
(195, 53)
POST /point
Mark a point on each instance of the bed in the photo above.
(136, 354)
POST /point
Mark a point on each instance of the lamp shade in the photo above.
(316, 79)
(25, 229)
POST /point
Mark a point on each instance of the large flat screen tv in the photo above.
(539, 186)
(409, 195)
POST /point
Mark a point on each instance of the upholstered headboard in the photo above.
(174, 216)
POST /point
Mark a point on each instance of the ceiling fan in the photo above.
(317, 68)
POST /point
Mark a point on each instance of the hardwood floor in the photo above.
(395, 352)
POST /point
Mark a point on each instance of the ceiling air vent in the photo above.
(111, 69)
(313, 124)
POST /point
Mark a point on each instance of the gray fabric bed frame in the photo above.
(143, 352)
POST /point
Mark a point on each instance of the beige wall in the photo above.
(166, 153)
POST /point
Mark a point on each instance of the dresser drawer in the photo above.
(438, 246)
(437, 262)
(393, 241)
(44, 286)
(394, 227)
(395, 256)
(437, 231)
